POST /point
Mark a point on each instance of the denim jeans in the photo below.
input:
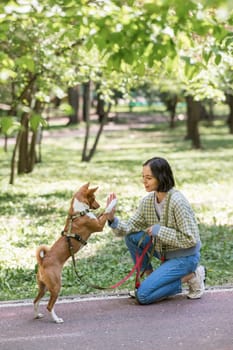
(165, 281)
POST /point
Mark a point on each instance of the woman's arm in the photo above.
(182, 229)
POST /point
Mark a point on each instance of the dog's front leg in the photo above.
(101, 222)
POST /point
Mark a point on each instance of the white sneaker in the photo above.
(132, 294)
(196, 284)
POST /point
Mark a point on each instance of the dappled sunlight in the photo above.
(33, 211)
(212, 203)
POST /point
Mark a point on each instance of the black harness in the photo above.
(76, 236)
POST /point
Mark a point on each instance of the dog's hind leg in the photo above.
(53, 298)
(55, 317)
(41, 293)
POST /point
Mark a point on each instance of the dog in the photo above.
(80, 224)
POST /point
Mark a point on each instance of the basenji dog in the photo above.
(80, 224)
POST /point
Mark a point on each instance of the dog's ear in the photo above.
(92, 190)
(85, 187)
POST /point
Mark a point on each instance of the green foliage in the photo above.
(63, 44)
(36, 120)
(33, 211)
(8, 125)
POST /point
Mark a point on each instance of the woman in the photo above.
(166, 216)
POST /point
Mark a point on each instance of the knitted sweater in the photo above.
(178, 232)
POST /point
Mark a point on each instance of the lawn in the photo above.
(33, 211)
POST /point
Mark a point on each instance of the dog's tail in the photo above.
(40, 253)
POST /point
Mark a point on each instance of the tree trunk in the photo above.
(188, 123)
(87, 156)
(101, 127)
(5, 143)
(36, 154)
(39, 135)
(172, 108)
(210, 115)
(86, 100)
(23, 146)
(193, 116)
(170, 100)
(74, 101)
(229, 101)
(100, 108)
(32, 152)
(12, 174)
(86, 118)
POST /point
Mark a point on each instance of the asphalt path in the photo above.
(116, 322)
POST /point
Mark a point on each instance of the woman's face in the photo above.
(149, 181)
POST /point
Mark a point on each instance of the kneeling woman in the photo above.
(166, 215)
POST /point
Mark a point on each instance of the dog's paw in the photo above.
(55, 318)
(59, 320)
(38, 316)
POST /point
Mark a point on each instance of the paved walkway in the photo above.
(116, 322)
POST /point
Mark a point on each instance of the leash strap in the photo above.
(136, 267)
(139, 274)
(162, 258)
(139, 261)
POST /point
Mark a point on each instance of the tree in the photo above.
(229, 99)
(74, 101)
(48, 46)
(193, 116)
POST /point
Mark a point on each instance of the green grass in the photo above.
(33, 211)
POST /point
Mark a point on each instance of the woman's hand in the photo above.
(149, 230)
(112, 198)
(153, 230)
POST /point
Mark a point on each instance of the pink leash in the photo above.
(136, 267)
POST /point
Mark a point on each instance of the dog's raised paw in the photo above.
(38, 316)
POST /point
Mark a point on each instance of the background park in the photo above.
(89, 90)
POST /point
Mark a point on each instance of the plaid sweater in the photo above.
(181, 230)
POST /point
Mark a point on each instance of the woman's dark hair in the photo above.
(162, 171)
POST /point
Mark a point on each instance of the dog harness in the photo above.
(75, 236)
(68, 233)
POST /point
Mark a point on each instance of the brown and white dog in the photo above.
(80, 223)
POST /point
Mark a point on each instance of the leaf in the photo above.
(206, 55)
(218, 59)
(141, 68)
(8, 125)
(27, 63)
(35, 121)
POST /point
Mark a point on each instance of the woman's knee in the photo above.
(142, 297)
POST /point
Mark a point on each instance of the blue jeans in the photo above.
(165, 281)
